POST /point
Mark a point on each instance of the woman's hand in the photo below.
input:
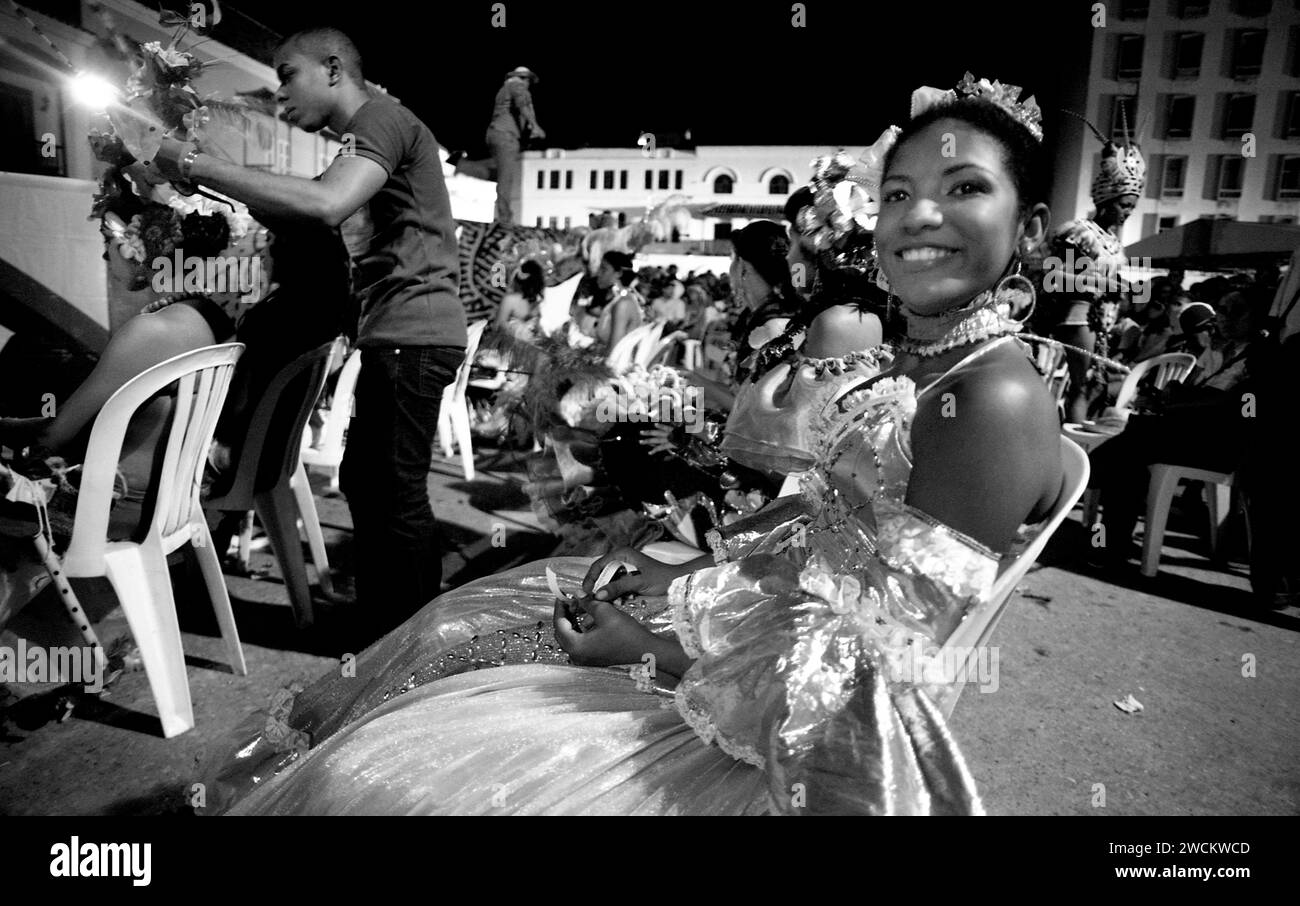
(651, 580)
(610, 636)
(659, 438)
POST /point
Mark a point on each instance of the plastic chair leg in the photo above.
(444, 430)
(279, 514)
(139, 576)
(460, 425)
(245, 539)
(1091, 507)
(1164, 482)
(1218, 501)
(210, 567)
(311, 527)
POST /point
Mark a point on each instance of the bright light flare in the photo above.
(93, 91)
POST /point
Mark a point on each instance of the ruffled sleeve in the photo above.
(824, 678)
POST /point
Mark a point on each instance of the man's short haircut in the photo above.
(322, 42)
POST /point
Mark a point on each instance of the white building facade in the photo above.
(566, 188)
(1215, 87)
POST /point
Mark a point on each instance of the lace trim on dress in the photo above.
(717, 546)
(707, 730)
(912, 541)
(679, 598)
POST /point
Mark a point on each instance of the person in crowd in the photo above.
(1081, 284)
(778, 664)
(412, 329)
(1203, 423)
(520, 309)
(625, 309)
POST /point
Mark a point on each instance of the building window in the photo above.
(1179, 115)
(1248, 52)
(779, 185)
(1252, 8)
(1193, 9)
(1123, 116)
(1187, 54)
(1128, 57)
(622, 179)
(1291, 123)
(722, 186)
(593, 179)
(541, 179)
(568, 223)
(1288, 178)
(1293, 52)
(555, 179)
(1134, 9)
(721, 230)
(622, 218)
(663, 179)
(649, 179)
(609, 179)
(1173, 176)
(677, 179)
(553, 222)
(1232, 168)
(1167, 223)
(1238, 115)
(539, 221)
(568, 179)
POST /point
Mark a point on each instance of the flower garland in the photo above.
(143, 216)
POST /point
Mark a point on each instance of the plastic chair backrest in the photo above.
(1049, 359)
(340, 412)
(202, 379)
(556, 301)
(1169, 366)
(268, 454)
(980, 622)
(473, 336)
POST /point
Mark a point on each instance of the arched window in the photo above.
(780, 185)
(722, 185)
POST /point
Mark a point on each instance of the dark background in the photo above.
(729, 72)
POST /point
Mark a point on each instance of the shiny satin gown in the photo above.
(803, 697)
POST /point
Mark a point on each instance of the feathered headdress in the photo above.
(1123, 170)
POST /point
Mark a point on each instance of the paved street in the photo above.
(1049, 740)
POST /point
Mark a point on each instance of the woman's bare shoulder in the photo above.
(842, 329)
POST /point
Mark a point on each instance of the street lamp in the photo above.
(92, 91)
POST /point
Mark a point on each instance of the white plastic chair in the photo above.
(270, 477)
(1160, 494)
(1170, 366)
(1049, 358)
(138, 571)
(453, 414)
(327, 452)
(976, 629)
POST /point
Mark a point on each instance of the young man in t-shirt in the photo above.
(412, 326)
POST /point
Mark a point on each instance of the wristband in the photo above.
(187, 164)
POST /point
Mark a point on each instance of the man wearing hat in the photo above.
(513, 126)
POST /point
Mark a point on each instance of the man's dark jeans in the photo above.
(385, 473)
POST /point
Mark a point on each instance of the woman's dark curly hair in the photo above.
(1023, 154)
(530, 281)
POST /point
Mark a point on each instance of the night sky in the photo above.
(730, 72)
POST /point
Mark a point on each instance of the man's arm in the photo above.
(348, 183)
(524, 104)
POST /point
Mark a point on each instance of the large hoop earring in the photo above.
(1020, 285)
